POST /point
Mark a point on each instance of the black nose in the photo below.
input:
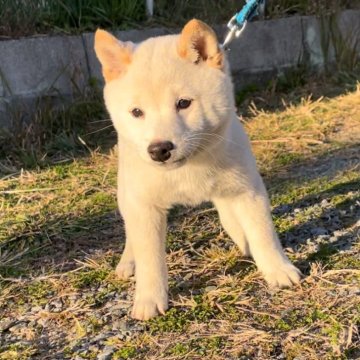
(160, 151)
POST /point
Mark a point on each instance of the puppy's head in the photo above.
(170, 97)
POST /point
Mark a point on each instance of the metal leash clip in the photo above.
(238, 22)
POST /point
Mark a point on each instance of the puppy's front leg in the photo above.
(145, 228)
(253, 213)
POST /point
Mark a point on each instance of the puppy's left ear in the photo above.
(198, 43)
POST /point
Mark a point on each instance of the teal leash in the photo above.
(238, 22)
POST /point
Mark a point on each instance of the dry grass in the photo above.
(300, 130)
(60, 236)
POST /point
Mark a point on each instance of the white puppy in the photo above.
(180, 142)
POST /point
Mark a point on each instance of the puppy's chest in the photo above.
(190, 188)
(196, 186)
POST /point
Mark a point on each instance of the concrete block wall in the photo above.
(317, 38)
(266, 48)
(61, 66)
(33, 66)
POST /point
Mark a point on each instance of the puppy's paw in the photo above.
(125, 269)
(282, 275)
(147, 307)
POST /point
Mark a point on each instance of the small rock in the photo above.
(35, 309)
(16, 328)
(106, 318)
(322, 238)
(121, 305)
(281, 209)
(209, 288)
(120, 325)
(98, 338)
(32, 323)
(6, 324)
(188, 276)
(137, 326)
(57, 304)
(106, 353)
(94, 348)
(116, 325)
(89, 328)
(318, 231)
(324, 203)
(227, 246)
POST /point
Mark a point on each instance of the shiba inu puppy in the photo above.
(180, 142)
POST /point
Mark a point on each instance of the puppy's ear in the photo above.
(114, 55)
(198, 43)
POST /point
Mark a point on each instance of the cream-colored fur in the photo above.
(212, 159)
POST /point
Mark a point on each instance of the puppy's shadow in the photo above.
(333, 229)
(60, 243)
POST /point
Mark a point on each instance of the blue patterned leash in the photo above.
(238, 22)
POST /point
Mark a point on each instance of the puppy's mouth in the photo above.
(180, 161)
(173, 164)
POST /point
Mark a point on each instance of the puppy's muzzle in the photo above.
(160, 151)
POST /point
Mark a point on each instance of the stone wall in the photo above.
(59, 67)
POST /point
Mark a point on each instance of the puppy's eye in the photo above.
(137, 112)
(183, 104)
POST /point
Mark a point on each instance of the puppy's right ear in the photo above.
(114, 55)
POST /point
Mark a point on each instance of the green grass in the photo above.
(17, 352)
(19, 18)
(126, 352)
(201, 346)
(90, 278)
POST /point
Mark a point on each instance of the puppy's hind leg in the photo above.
(126, 266)
(231, 225)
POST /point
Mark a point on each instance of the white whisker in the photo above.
(96, 131)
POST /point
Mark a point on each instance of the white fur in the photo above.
(218, 167)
